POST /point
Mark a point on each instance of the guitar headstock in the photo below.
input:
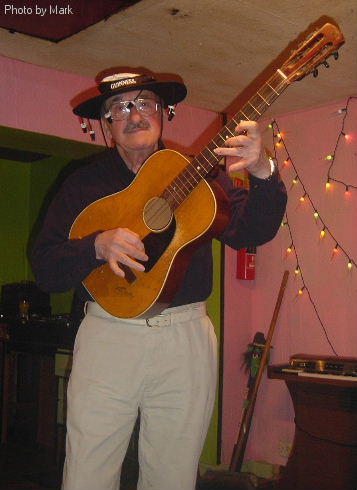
(313, 52)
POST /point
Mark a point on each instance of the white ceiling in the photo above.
(221, 48)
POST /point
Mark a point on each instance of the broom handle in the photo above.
(239, 449)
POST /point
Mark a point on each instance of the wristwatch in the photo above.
(273, 169)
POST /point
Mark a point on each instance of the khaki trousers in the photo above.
(166, 371)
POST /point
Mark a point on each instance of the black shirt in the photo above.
(60, 263)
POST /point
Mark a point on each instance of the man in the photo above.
(164, 367)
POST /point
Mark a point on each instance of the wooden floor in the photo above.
(26, 467)
(31, 468)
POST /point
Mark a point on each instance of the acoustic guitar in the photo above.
(172, 204)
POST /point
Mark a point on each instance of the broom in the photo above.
(233, 479)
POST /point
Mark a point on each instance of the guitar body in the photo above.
(203, 214)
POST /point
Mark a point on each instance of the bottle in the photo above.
(24, 307)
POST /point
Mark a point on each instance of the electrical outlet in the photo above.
(284, 449)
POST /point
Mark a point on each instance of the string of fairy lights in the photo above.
(344, 137)
(332, 157)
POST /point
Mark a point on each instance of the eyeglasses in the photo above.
(121, 110)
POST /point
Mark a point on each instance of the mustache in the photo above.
(136, 125)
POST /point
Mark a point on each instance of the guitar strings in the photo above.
(206, 160)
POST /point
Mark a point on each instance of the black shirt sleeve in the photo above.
(58, 263)
(255, 214)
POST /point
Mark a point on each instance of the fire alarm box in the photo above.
(246, 263)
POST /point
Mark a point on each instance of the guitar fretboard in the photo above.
(206, 160)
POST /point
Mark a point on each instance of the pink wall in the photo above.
(308, 136)
(38, 99)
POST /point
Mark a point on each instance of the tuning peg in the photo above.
(336, 55)
(315, 72)
(326, 64)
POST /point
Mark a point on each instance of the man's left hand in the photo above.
(245, 150)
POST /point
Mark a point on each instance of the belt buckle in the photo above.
(159, 321)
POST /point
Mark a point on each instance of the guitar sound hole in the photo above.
(157, 214)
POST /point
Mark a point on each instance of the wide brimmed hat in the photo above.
(170, 92)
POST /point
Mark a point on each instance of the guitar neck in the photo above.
(312, 53)
(251, 111)
(207, 160)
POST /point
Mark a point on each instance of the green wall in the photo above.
(25, 188)
(211, 451)
(14, 220)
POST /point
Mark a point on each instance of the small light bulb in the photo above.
(328, 185)
(322, 233)
(302, 198)
(329, 157)
(316, 214)
(349, 265)
(297, 270)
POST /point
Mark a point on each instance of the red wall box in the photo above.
(246, 263)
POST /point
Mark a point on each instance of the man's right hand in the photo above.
(120, 246)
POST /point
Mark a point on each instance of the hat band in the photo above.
(110, 85)
(121, 83)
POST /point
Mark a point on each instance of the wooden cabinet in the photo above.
(29, 385)
(323, 456)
